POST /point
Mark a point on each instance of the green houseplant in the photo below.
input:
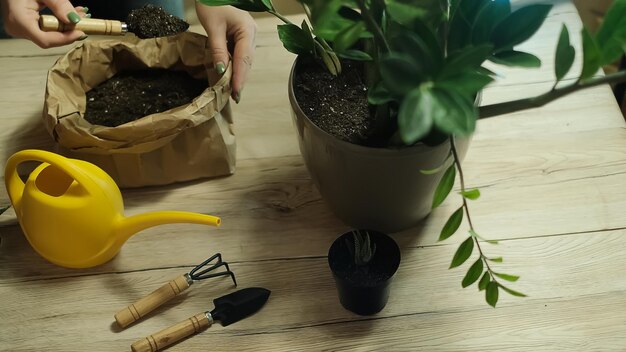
(422, 72)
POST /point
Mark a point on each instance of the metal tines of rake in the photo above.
(205, 270)
(195, 274)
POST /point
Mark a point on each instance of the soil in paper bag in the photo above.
(131, 95)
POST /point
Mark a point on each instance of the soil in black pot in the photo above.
(364, 289)
(131, 95)
(380, 268)
(152, 21)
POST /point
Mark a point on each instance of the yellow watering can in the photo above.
(71, 211)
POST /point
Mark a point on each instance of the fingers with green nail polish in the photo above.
(73, 17)
(220, 68)
(237, 96)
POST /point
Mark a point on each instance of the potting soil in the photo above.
(152, 21)
(130, 95)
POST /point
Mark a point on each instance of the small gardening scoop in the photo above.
(49, 23)
(145, 305)
(228, 309)
(147, 22)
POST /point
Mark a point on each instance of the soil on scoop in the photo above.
(130, 95)
(336, 104)
(152, 21)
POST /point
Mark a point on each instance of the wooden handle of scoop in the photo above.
(172, 334)
(50, 23)
(135, 311)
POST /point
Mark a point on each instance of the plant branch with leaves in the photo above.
(424, 68)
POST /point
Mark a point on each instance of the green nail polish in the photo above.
(85, 9)
(220, 68)
(73, 17)
(87, 15)
(238, 97)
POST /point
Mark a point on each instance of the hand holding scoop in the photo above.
(228, 309)
(147, 22)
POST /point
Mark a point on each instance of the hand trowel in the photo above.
(147, 22)
(228, 309)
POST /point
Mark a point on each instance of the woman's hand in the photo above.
(21, 20)
(225, 24)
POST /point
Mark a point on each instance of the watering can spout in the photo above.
(133, 224)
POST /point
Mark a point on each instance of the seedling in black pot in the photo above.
(363, 263)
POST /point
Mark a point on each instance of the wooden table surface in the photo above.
(553, 186)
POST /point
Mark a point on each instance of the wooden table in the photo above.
(554, 195)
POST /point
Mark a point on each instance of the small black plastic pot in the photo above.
(364, 289)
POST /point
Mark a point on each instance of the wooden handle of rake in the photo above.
(135, 311)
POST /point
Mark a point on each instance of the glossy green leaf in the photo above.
(474, 234)
(491, 295)
(348, 37)
(399, 73)
(488, 18)
(471, 194)
(452, 224)
(611, 36)
(327, 22)
(445, 186)
(415, 116)
(496, 259)
(378, 95)
(426, 60)
(468, 58)
(268, 4)
(295, 39)
(246, 5)
(484, 281)
(463, 252)
(512, 292)
(405, 13)
(356, 55)
(349, 13)
(473, 273)
(591, 55)
(469, 83)
(456, 113)
(516, 59)
(565, 55)
(507, 277)
(519, 26)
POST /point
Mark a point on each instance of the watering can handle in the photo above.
(15, 185)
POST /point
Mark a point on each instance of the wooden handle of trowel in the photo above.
(147, 304)
(172, 334)
(50, 23)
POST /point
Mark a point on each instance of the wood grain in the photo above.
(553, 191)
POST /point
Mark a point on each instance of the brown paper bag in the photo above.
(181, 144)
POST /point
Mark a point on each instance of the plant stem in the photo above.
(543, 99)
(281, 17)
(371, 24)
(457, 162)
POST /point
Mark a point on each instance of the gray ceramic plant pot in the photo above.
(381, 189)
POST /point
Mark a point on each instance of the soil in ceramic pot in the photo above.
(152, 21)
(336, 104)
(131, 95)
